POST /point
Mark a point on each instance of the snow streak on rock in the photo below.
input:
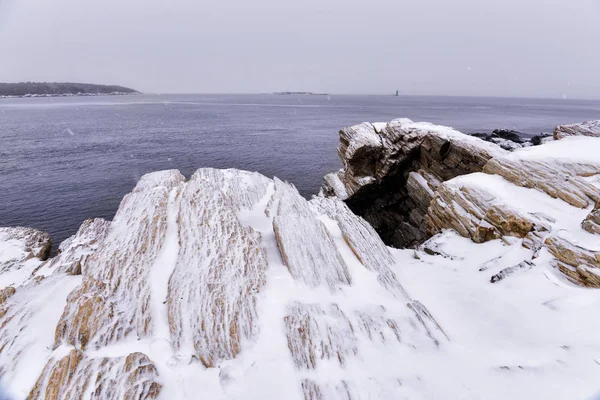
(305, 244)
(76, 376)
(114, 299)
(315, 333)
(363, 241)
(220, 266)
(74, 252)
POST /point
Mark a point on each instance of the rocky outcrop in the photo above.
(537, 195)
(391, 170)
(181, 283)
(588, 128)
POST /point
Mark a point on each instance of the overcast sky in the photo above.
(538, 48)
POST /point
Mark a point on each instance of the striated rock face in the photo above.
(588, 128)
(75, 376)
(391, 171)
(181, 283)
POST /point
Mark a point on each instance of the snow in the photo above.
(528, 336)
(579, 149)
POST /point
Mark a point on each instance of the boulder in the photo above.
(588, 128)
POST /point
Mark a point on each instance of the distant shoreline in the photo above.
(60, 89)
(35, 95)
(303, 93)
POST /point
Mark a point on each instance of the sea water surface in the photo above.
(63, 160)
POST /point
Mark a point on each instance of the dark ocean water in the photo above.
(63, 160)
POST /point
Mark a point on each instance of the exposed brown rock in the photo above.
(314, 334)
(315, 391)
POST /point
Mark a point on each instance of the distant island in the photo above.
(54, 89)
(307, 93)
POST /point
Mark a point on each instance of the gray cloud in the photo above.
(544, 48)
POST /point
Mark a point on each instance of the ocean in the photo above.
(63, 160)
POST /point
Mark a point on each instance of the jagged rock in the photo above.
(176, 284)
(592, 222)
(588, 128)
(390, 171)
(316, 261)
(474, 212)
(542, 138)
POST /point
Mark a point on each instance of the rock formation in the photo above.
(588, 128)
(391, 171)
(174, 285)
(413, 180)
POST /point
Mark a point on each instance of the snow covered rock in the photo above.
(591, 223)
(588, 128)
(542, 195)
(226, 271)
(215, 285)
(391, 169)
(21, 250)
(560, 168)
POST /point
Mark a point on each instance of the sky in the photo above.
(515, 48)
